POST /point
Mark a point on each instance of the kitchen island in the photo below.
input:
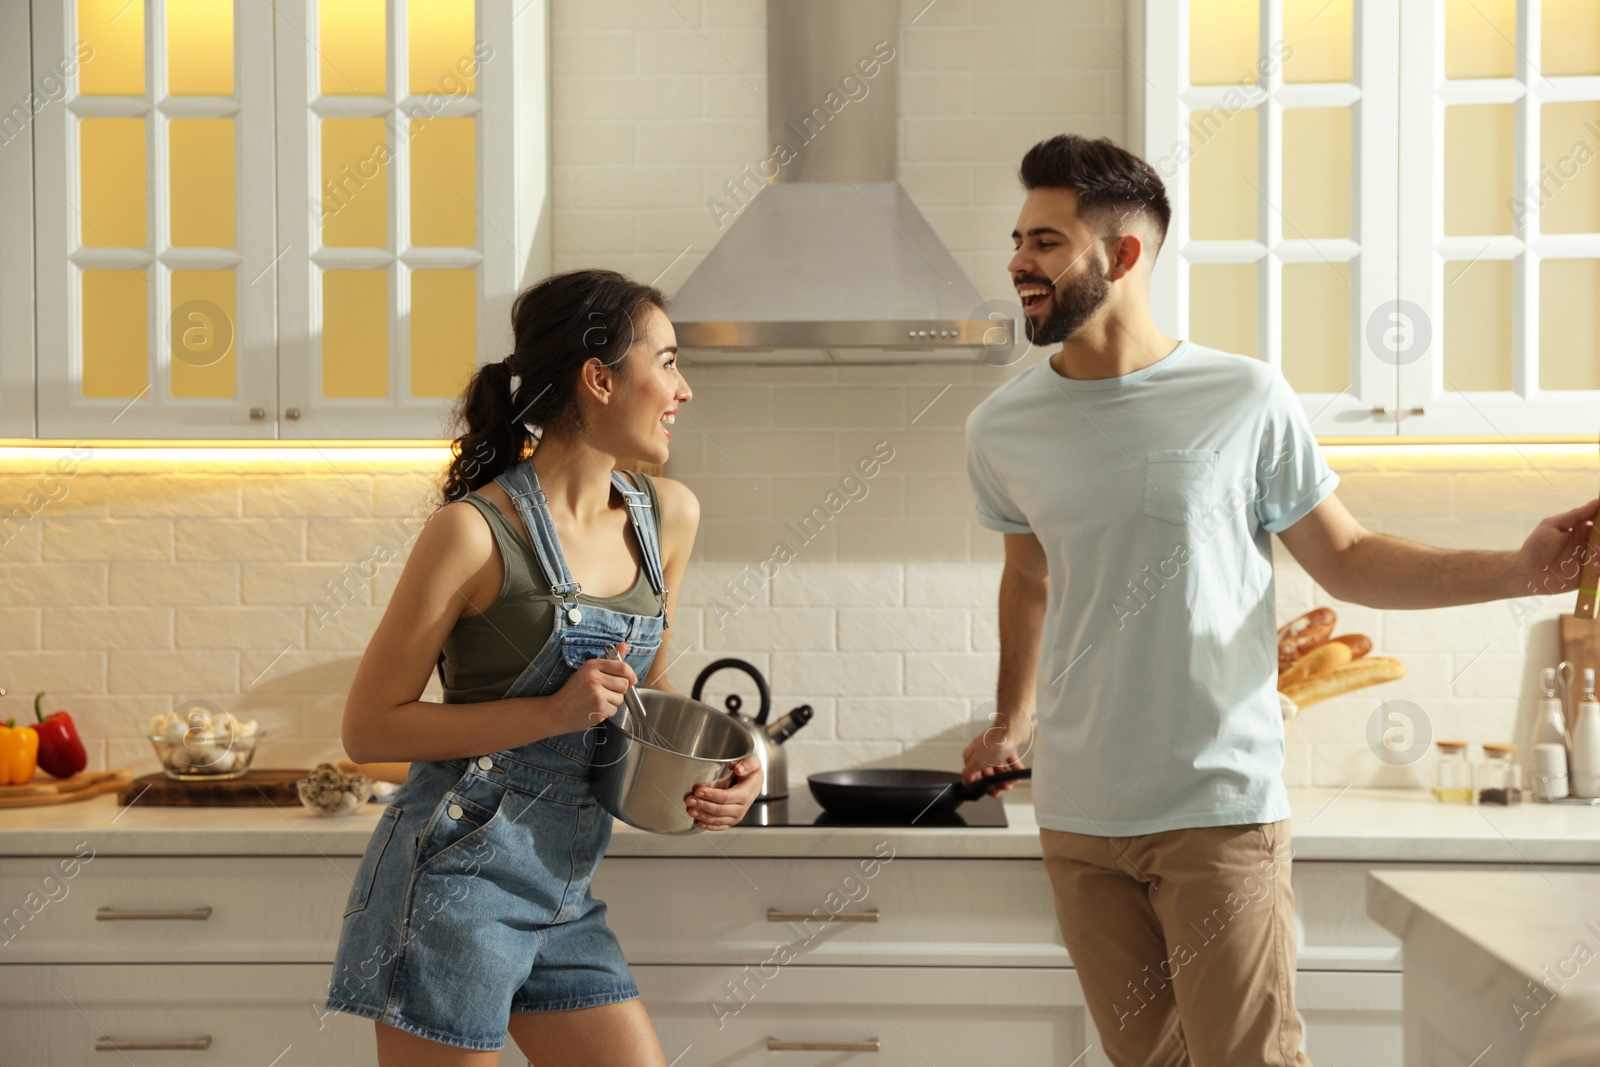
(1486, 956)
(928, 944)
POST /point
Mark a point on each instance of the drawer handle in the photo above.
(806, 916)
(134, 914)
(177, 1044)
(776, 1045)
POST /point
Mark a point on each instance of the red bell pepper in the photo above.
(60, 751)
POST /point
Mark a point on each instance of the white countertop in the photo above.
(1350, 824)
(1529, 921)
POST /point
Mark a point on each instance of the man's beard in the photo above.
(1071, 307)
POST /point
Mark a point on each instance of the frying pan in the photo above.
(900, 794)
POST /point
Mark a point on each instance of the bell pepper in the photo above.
(60, 752)
(19, 751)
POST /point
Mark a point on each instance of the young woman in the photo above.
(470, 914)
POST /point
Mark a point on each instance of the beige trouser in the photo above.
(1184, 943)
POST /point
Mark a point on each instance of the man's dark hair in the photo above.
(1111, 182)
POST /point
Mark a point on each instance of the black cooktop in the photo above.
(800, 808)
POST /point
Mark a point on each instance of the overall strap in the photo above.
(644, 530)
(522, 485)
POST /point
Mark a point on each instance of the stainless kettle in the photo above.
(768, 738)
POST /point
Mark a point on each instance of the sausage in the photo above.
(1370, 670)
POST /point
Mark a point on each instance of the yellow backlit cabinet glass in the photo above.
(440, 35)
(1222, 306)
(1320, 38)
(1566, 197)
(1224, 174)
(1224, 41)
(1571, 37)
(113, 30)
(1477, 326)
(204, 339)
(199, 47)
(111, 159)
(116, 319)
(1316, 172)
(1479, 155)
(355, 183)
(355, 334)
(352, 40)
(202, 169)
(444, 177)
(1316, 326)
(1569, 322)
(1480, 38)
(444, 331)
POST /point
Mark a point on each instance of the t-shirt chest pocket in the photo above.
(1180, 484)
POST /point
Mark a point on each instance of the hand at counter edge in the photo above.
(998, 749)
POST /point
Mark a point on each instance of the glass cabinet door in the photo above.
(392, 179)
(1274, 133)
(1500, 216)
(155, 291)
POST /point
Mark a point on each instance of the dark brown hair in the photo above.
(1110, 181)
(559, 324)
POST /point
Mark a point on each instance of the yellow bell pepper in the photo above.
(19, 752)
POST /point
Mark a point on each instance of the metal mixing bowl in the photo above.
(641, 772)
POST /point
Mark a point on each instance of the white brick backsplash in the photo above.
(297, 672)
(344, 496)
(951, 675)
(903, 718)
(791, 629)
(102, 539)
(190, 674)
(223, 540)
(844, 585)
(951, 584)
(158, 495)
(306, 583)
(835, 674)
(270, 627)
(20, 628)
(53, 671)
(107, 628)
(44, 584)
(893, 629)
(174, 583)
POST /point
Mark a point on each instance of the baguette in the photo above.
(1326, 657)
(1369, 670)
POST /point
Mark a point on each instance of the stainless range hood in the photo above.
(825, 257)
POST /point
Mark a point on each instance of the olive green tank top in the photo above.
(487, 652)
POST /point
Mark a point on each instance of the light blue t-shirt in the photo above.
(1154, 495)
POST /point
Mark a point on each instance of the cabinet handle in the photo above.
(1381, 410)
(803, 916)
(291, 414)
(176, 1044)
(777, 1045)
(258, 413)
(133, 914)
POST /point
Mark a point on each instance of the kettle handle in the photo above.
(747, 668)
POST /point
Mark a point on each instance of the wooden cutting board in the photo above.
(1580, 646)
(45, 790)
(267, 787)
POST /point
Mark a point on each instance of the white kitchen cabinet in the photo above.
(892, 1015)
(16, 222)
(286, 238)
(1392, 203)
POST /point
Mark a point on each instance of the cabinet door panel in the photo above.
(154, 242)
(895, 1015)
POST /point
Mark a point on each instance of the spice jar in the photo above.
(1452, 783)
(1499, 776)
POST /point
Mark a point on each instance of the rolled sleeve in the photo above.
(996, 508)
(1292, 475)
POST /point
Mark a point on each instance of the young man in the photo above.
(1137, 480)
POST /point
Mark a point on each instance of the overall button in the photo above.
(485, 763)
(574, 616)
(454, 811)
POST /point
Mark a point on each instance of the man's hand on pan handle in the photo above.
(999, 748)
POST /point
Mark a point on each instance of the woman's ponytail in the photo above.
(493, 439)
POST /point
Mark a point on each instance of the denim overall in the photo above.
(472, 899)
